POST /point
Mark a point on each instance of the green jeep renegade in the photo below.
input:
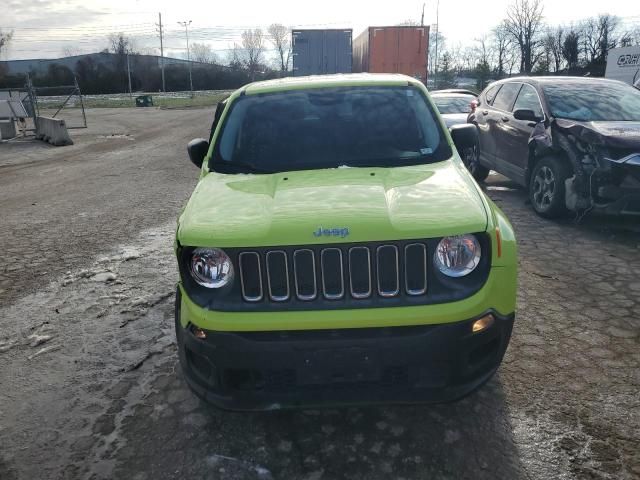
(337, 251)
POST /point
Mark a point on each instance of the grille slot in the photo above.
(415, 269)
(304, 273)
(278, 276)
(360, 272)
(388, 271)
(251, 276)
(332, 273)
(350, 273)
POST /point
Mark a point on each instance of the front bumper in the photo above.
(623, 199)
(271, 370)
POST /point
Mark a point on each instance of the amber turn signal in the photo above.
(483, 323)
(199, 333)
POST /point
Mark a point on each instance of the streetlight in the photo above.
(186, 24)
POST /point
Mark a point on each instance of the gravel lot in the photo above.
(89, 381)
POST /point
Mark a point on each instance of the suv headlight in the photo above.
(457, 256)
(211, 267)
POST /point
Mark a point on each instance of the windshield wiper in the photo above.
(395, 161)
(239, 167)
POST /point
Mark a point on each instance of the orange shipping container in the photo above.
(392, 50)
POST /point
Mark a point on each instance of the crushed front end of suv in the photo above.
(574, 142)
(336, 251)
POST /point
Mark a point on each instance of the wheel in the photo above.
(471, 160)
(547, 187)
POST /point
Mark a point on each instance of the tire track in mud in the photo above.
(60, 408)
(61, 206)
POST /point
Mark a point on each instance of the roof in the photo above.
(464, 91)
(556, 79)
(41, 64)
(328, 81)
(451, 95)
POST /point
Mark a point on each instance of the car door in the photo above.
(484, 120)
(513, 146)
(501, 118)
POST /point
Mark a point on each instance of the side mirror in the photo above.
(464, 136)
(527, 116)
(198, 148)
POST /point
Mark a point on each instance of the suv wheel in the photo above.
(471, 160)
(547, 187)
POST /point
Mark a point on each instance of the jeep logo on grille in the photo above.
(331, 232)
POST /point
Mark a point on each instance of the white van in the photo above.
(624, 64)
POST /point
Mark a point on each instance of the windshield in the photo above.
(329, 128)
(593, 101)
(448, 105)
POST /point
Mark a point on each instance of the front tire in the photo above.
(471, 160)
(547, 187)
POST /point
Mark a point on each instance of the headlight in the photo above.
(211, 267)
(457, 256)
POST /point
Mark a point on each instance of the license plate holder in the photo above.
(337, 366)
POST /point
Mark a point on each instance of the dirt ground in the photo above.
(90, 385)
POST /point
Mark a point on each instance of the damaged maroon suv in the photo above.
(573, 142)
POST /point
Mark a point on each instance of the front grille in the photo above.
(364, 275)
(334, 273)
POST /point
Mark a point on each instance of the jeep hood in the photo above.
(374, 204)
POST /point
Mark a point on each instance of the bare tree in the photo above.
(504, 50)
(464, 59)
(484, 58)
(201, 52)
(253, 45)
(524, 23)
(120, 44)
(627, 40)
(280, 36)
(598, 37)
(5, 39)
(633, 36)
(234, 57)
(432, 46)
(571, 49)
(553, 41)
(545, 58)
(485, 50)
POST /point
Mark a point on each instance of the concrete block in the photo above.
(53, 130)
(7, 129)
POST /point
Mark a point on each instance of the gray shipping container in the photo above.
(318, 52)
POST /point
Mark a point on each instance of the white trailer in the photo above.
(624, 64)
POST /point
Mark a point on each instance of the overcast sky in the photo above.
(46, 28)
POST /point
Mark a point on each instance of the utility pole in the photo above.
(186, 24)
(129, 74)
(435, 75)
(159, 24)
(422, 18)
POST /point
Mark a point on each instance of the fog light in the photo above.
(199, 333)
(482, 323)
